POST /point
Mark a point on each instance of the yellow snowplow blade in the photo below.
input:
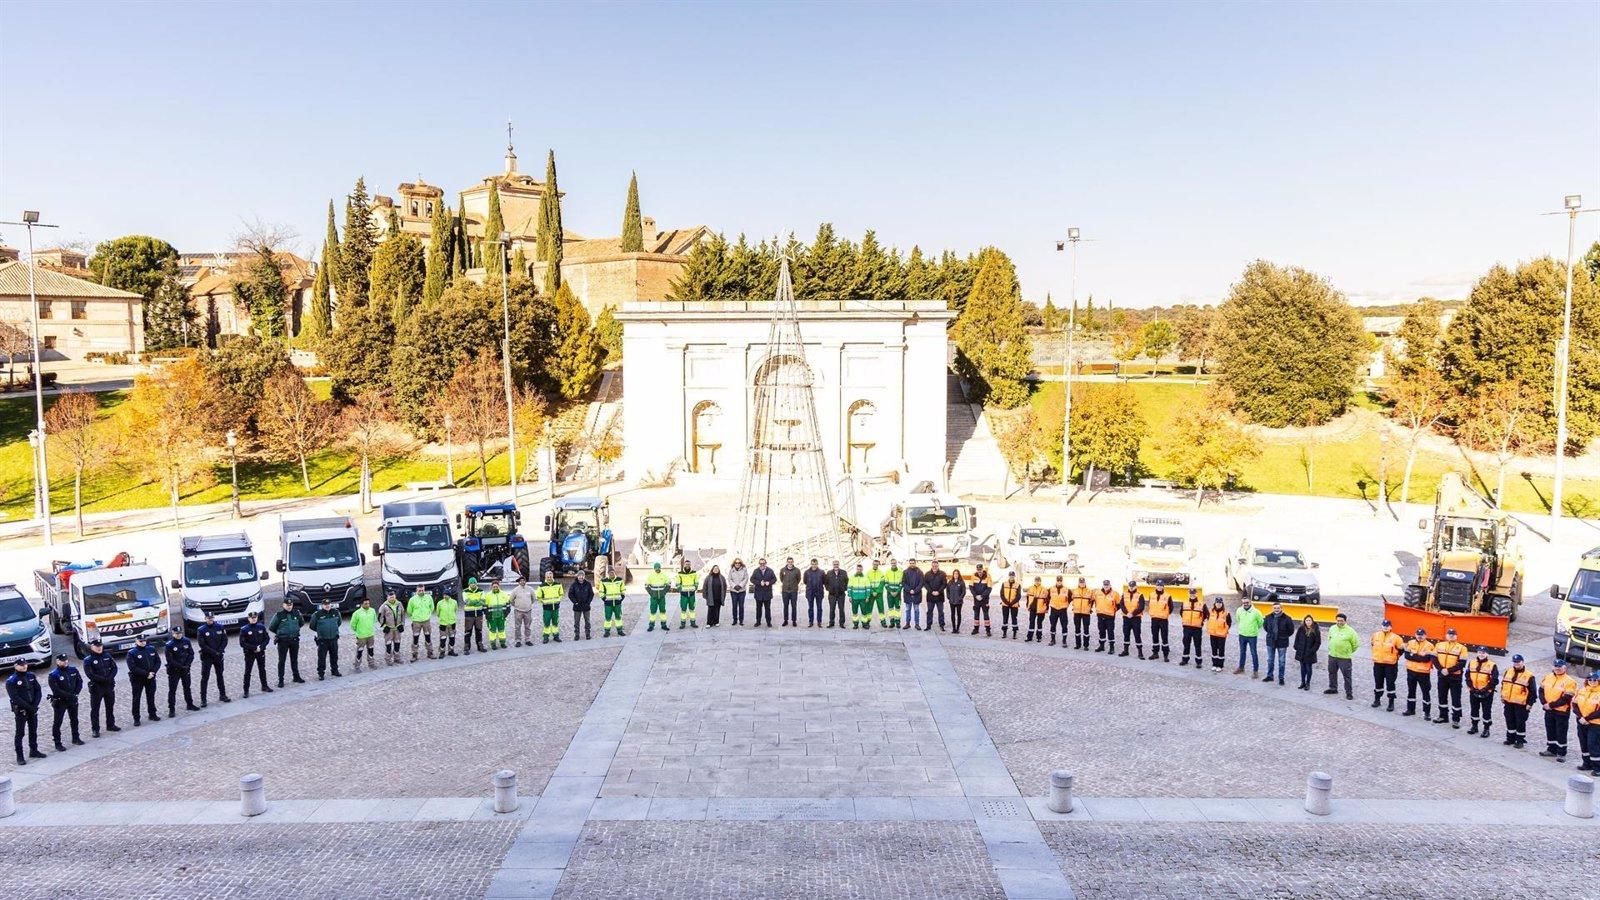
(1473, 629)
(1177, 592)
(1322, 615)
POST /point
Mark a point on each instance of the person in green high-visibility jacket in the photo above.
(472, 608)
(419, 612)
(549, 596)
(688, 587)
(611, 593)
(859, 590)
(874, 594)
(497, 606)
(656, 585)
(445, 608)
(364, 624)
(890, 617)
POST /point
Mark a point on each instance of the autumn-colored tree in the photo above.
(531, 413)
(15, 341)
(1206, 445)
(164, 425)
(475, 401)
(294, 424)
(1156, 340)
(76, 442)
(1503, 419)
(371, 433)
(1126, 344)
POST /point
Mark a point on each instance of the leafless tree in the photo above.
(75, 440)
(475, 401)
(293, 423)
(371, 432)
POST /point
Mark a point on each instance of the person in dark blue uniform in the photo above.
(144, 661)
(213, 644)
(101, 669)
(23, 691)
(180, 660)
(66, 683)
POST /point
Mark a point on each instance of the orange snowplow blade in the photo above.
(1322, 615)
(1175, 592)
(1475, 630)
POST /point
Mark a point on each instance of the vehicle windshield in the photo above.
(1474, 536)
(574, 519)
(16, 609)
(331, 553)
(491, 525)
(1163, 542)
(416, 538)
(223, 570)
(121, 596)
(1041, 537)
(1586, 588)
(935, 519)
(1277, 559)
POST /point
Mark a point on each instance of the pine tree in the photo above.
(260, 287)
(318, 323)
(552, 227)
(702, 271)
(1051, 314)
(922, 277)
(440, 245)
(574, 363)
(609, 331)
(632, 223)
(994, 353)
(168, 317)
(355, 254)
(494, 252)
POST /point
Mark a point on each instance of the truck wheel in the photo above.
(1516, 598)
(1500, 605)
(79, 648)
(546, 565)
(55, 621)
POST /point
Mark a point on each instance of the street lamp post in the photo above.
(33, 450)
(30, 220)
(505, 358)
(232, 441)
(1066, 367)
(1572, 206)
(449, 456)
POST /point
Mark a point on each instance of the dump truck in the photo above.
(1470, 578)
(1577, 636)
(116, 602)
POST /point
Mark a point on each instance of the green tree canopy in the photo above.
(1158, 338)
(609, 331)
(1420, 340)
(238, 373)
(1290, 345)
(168, 316)
(356, 356)
(318, 321)
(574, 361)
(551, 249)
(993, 350)
(632, 221)
(441, 245)
(260, 288)
(1205, 446)
(399, 270)
(134, 263)
(494, 252)
(355, 254)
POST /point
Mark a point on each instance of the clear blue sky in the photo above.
(1398, 149)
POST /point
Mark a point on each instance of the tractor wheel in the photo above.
(469, 567)
(601, 567)
(524, 566)
(1516, 597)
(546, 566)
(1416, 596)
(1500, 605)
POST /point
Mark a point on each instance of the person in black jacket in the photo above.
(813, 578)
(180, 659)
(762, 579)
(101, 670)
(836, 582)
(789, 589)
(956, 592)
(253, 639)
(714, 587)
(22, 689)
(934, 583)
(213, 644)
(1307, 641)
(911, 595)
(65, 686)
(1278, 629)
(581, 593)
(144, 661)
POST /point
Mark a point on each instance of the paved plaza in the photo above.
(790, 763)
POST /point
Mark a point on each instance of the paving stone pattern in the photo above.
(443, 860)
(768, 717)
(437, 734)
(804, 860)
(1127, 736)
(1253, 861)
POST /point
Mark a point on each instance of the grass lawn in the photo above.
(1341, 466)
(117, 488)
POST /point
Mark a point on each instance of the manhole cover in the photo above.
(1002, 809)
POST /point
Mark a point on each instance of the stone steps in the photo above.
(973, 461)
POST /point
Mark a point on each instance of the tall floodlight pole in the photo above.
(1572, 205)
(1066, 367)
(505, 355)
(30, 220)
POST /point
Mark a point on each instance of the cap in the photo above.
(1106, 583)
(472, 581)
(1594, 675)
(1386, 623)
(1516, 657)
(61, 657)
(97, 643)
(1133, 583)
(1559, 663)
(1422, 632)
(1450, 632)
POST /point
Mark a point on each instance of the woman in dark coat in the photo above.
(1307, 641)
(715, 590)
(956, 593)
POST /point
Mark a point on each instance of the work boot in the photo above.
(1485, 732)
(1455, 724)
(987, 631)
(546, 638)
(1124, 651)
(414, 653)
(1334, 690)
(1411, 709)
(695, 624)
(1474, 728)
(1052, 640)
(113, 728)
(1426, 711)
(35, 754)
(60, 747)
(154, 717)
(1239, 671)
(21, 760)
(653, 627)
(1391, 703)
(558, 637)
(430, 651)
(1443, 718)
(620, 632)
(1548, 754)
(357, 666)
(76, 742)
(1141, 653)
(1183, 662)
(1377, 698)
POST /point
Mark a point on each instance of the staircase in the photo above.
(973, 461)
(604, 413)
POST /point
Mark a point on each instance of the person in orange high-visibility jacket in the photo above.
(1038, 603)
(1516, 693)
(1483, 676)
(1450, 655)
(1218, 624)
(1192, 616)
(1556, 691)
(1587, 707)
(1106, 601)
(1386, 647)
(1132, 607)
(1060, 600)
(1160, 611)
(1419, 674)
(1082, 605)
(1010, 602)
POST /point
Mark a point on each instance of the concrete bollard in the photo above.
(1579, 803)
(252, 795)
(1061, 791)
(8, 804)
(505, 791)
(1319, 793)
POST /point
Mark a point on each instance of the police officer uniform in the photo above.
(213, 644)
(253, 638)
(22, 689)
(101, 670)
(180, 658)
(66, 683)
(144, 661)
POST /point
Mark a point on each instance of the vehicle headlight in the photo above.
(357, 581)
(294, 586)
(41, 641)
(189, 604)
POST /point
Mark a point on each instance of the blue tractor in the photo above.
(491, 545)
(580, 539)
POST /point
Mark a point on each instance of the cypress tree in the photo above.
(459, 261)
(632, 222)
(552, 227)
(494, 254)
(355, 254)
(519, 265)
(319, 321)
(441, 241)
(993, 347)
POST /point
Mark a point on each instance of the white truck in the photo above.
(417, 549)
(23, 635)
(1038, 547)
(115, 603)
(219, 575)
(322, 559)
(929, 527)
(1159, 552)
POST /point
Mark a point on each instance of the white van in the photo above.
(417, 549)
(219, 576)
(322, 559)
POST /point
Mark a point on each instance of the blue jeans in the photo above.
(1249, 643)
(1280, 655)
(913, 614)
